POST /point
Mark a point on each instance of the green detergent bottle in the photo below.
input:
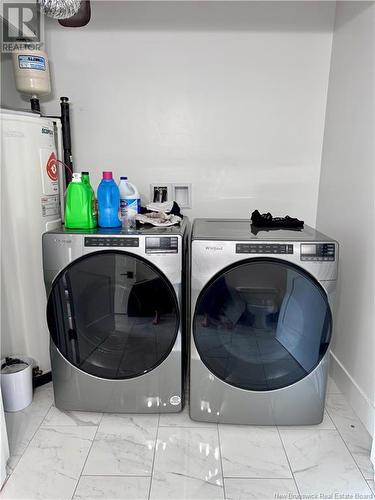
(86, 181)
(78, 208)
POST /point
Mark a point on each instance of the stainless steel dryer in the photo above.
(261, 323)
(115, 316)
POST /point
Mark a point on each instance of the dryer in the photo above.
(261, 323)
(115, 316)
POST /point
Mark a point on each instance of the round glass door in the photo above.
(262, 324)
(113, 315)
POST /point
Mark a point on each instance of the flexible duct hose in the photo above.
(60, 9)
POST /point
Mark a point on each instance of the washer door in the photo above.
(113, 315)
(262, 324)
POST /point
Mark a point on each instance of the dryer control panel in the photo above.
(103, 241)
(318, 251)
(264, 248)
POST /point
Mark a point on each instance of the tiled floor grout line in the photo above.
(287, 457)
(253, 478)
(186, 427)
(84, 464)
(371, 489)
(28, 444)
(153, 458)
(338, 430)
(6, 480)
(221, 461)
(346, 401)
(191, 427)
(347, 447)
(115, 475)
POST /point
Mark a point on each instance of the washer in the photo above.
(115, 315)
(261, 323)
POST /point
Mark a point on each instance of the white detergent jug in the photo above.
(129, 202)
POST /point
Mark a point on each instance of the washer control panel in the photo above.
(264, 248)
(103, 241)
(163, 244)
(318, 251)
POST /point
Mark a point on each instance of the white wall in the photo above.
(346, 200)
(228, 96)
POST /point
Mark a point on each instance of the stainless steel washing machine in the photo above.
(115, 315)
(261, 323)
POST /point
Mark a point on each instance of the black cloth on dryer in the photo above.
(268, 221)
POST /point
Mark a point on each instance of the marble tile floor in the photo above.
(87, 456)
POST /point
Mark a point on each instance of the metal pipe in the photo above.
(67, 143)
(35, 105)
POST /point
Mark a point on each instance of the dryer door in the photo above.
(113, 315)
(262, 324)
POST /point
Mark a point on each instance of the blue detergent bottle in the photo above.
(108, 202)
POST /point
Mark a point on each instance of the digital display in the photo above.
(161, 245)
(308, 249)
(318, 252)
(153, 242)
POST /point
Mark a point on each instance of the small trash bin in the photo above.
(17, 382)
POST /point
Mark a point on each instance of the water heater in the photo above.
(30, 206)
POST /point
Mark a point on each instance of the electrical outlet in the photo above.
(180, 192)
(160, 192)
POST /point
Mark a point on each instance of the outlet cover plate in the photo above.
(182, 194)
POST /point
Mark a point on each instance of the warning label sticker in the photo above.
(52, 167)
(50, 205)
(49, 172)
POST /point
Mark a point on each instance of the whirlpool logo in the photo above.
(214, 248)
(60, 241)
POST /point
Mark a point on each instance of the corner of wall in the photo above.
(325, 115)
(347, 140)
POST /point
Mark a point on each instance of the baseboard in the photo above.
(357, 399)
